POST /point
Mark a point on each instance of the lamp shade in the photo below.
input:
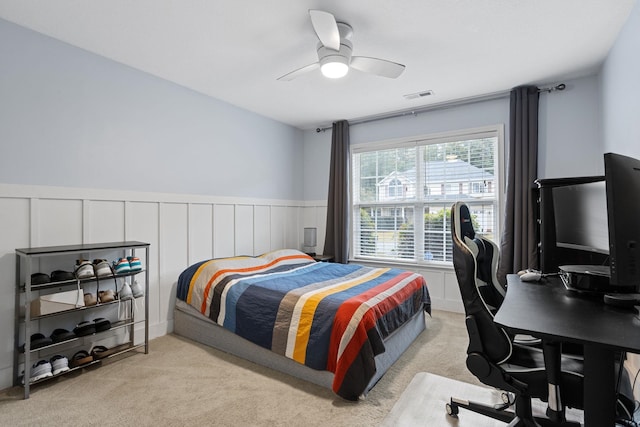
(310, 234)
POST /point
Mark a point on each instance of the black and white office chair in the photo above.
(487, 255)
(493, 356)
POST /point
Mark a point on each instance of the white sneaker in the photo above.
(59, 364)
(102, 268)
(125, 293)
(137, 289)
(84, 269)
(40, 370)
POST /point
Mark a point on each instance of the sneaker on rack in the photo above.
(102, 268)
(84, 269)
(137, 289)
(125, 292)
(134, 263)
(59, 364)
(106, 296)
(90, 299)
(121, 266)
(40, 370)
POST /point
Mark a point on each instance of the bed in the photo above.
(340, 326)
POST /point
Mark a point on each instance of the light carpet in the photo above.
(183, 383)
(423, 404)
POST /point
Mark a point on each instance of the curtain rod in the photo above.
(440, 106)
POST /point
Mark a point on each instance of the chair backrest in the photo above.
(496, 341)
(487, 256)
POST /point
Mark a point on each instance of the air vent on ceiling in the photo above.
(418, 94)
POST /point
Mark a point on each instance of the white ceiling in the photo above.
(234, 50)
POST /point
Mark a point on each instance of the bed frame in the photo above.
(189, 323)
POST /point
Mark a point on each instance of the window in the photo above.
(478, 187)
(394, 220)
(395, 189)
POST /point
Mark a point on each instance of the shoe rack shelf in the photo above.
(93, 362)
(114, 326)
(57, 284)
(90, 307)
(28, 262)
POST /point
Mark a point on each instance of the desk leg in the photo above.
(599, 387)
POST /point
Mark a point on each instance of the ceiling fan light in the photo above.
(335, 65)
(334, 70)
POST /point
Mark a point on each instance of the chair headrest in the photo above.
(463, 225)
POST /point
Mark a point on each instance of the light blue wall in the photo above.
(317, 158)
(71, 118)
(569, 133)
(620, 80)
(317, 151)
(442, 120)
(74, 119)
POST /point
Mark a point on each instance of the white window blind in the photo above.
(403, 192)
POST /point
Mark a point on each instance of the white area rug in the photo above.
(423, 404)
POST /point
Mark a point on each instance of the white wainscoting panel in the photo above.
(174, 247)
(58, 222)
(261, 229)
(142, 224)
(244, 230)
(452, 291)
(200, 232)
(292, 228)
(223, 231)
(181, 229)
(278, 217)
(435, 280)
(103, 221)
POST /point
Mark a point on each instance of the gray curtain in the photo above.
(336, 241)
(518, 243)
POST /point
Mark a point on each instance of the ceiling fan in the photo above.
(334, 52)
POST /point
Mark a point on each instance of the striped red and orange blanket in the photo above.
(326, 316)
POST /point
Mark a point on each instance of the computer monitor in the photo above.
(572, 222)
(581, 217)
(592, 224)
(622, 176)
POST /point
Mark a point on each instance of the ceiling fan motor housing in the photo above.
(326, 55)
(335, 52)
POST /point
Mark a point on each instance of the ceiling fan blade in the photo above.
(326, 28)
(300, 71)
(377, 66)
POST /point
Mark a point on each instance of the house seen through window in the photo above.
(403, 193)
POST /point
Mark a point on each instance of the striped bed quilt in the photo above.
(326, 316)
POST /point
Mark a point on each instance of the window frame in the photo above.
(418, 205)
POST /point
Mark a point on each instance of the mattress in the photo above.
(325, 316)
(189, 323)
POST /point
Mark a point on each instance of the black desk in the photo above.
(547, 310)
